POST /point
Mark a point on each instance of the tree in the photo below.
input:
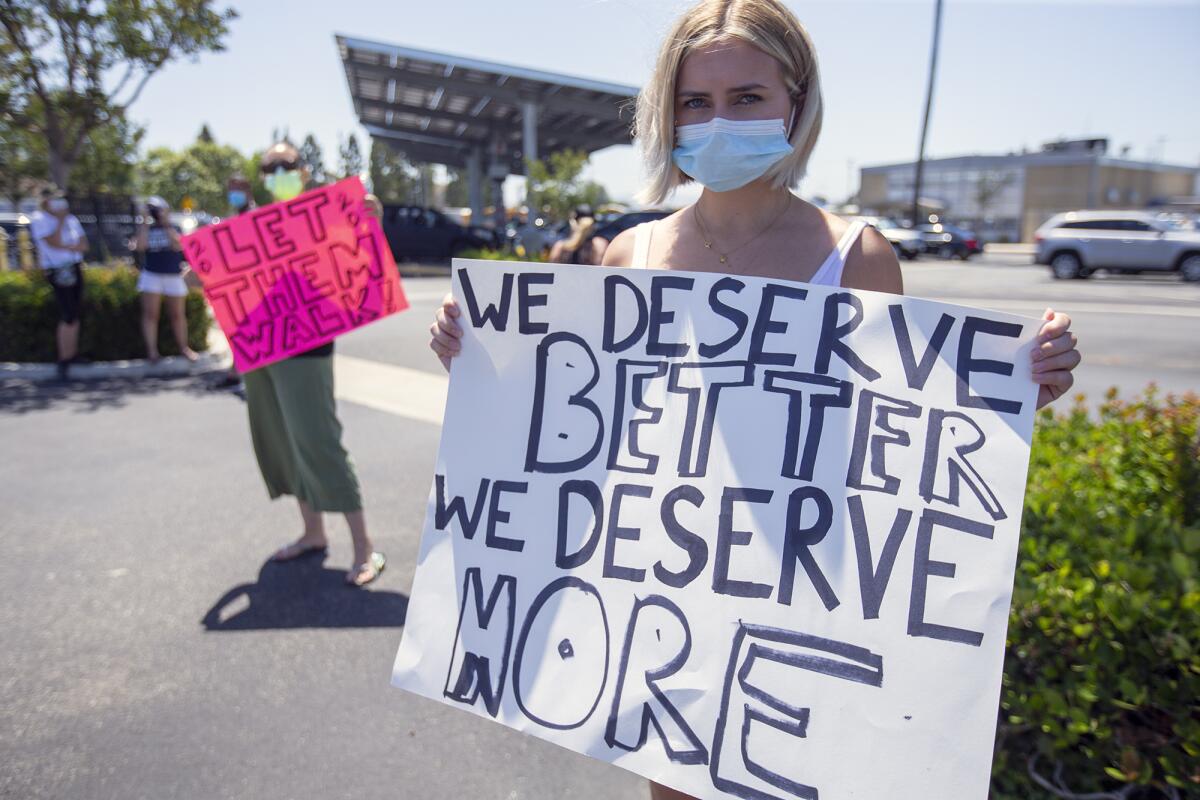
(205, 134)
(458, 192)
(22, 161)
(350, 157)
(71, 66)
(555, 185)
(107, 163)
(310, 154)
(393, 179)
(200, 172)
(988, 186)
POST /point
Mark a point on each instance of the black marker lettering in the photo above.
(968, 364)
(832, 334)
(735, 315)
(798, 544)
(728, 538)
(923, 567)
(495, 313)
(610, 344)
(527, 300)
(874, 414)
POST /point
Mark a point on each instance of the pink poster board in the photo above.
(291, 276)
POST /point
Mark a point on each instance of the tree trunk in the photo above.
(60, 168)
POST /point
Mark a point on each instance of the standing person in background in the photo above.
(240, 195)
(162, 277)
(61, 244)
(294, 426)
(580, 246)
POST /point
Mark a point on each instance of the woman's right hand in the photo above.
(445, 332)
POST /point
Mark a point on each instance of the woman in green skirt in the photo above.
(294, 426)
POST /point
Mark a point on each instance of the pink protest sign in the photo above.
(287, 277)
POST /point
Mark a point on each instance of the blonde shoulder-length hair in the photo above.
(765, 24)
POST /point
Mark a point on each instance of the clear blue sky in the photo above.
(1011, 74)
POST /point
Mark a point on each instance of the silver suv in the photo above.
(1078, 243)
(907, 243)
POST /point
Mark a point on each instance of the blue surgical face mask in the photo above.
(727, 154)
(237, 198)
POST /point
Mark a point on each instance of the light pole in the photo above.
(937, 31)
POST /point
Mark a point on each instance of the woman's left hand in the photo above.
(1054, 357)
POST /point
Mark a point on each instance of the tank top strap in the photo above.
(641, 245)
(830, 273)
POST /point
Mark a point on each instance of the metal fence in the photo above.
(107, 220)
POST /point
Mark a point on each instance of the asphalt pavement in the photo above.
(149, 650)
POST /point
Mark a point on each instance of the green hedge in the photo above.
(111, 317)
(496, 255)
(1102, 677)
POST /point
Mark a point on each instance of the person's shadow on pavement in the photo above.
(303, 593)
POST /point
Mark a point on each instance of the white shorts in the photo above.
(157, 283)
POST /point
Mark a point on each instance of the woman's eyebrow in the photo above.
(732, 90)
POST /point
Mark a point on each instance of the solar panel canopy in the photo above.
(484, 117)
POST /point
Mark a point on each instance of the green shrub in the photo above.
(496, 255)
(111, 317)
(1102, 677)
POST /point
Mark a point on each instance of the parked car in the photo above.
(10, 223)
(949, 241)
(611, 229)
(415, 233)
(1077, 243)
(906, 242)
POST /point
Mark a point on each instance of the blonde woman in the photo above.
(735, 104)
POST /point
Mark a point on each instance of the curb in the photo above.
(217, 357)
(1018, 249)
(168, 367)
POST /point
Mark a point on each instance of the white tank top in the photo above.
(830, 273)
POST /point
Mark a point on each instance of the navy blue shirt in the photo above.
(161, 257)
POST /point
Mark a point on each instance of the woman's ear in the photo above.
(798, 97)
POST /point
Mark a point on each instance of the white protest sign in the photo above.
(747, 538)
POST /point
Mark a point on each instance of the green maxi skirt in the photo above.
(297, 436)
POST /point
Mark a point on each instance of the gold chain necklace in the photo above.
(724, 257)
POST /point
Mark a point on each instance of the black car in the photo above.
(949, 241)
(610, 230)
(423, 234)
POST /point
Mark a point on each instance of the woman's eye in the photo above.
(694, 102)
(748, 99)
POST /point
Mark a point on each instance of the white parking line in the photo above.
(1038, 306)
(410, 393)
(425, 296)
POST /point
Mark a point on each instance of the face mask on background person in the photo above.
(57, 205)
(237, 198)
(724, 154)
(284, 184)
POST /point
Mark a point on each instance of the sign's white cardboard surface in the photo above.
(747, 538)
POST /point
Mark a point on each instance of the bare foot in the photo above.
(189, 354)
